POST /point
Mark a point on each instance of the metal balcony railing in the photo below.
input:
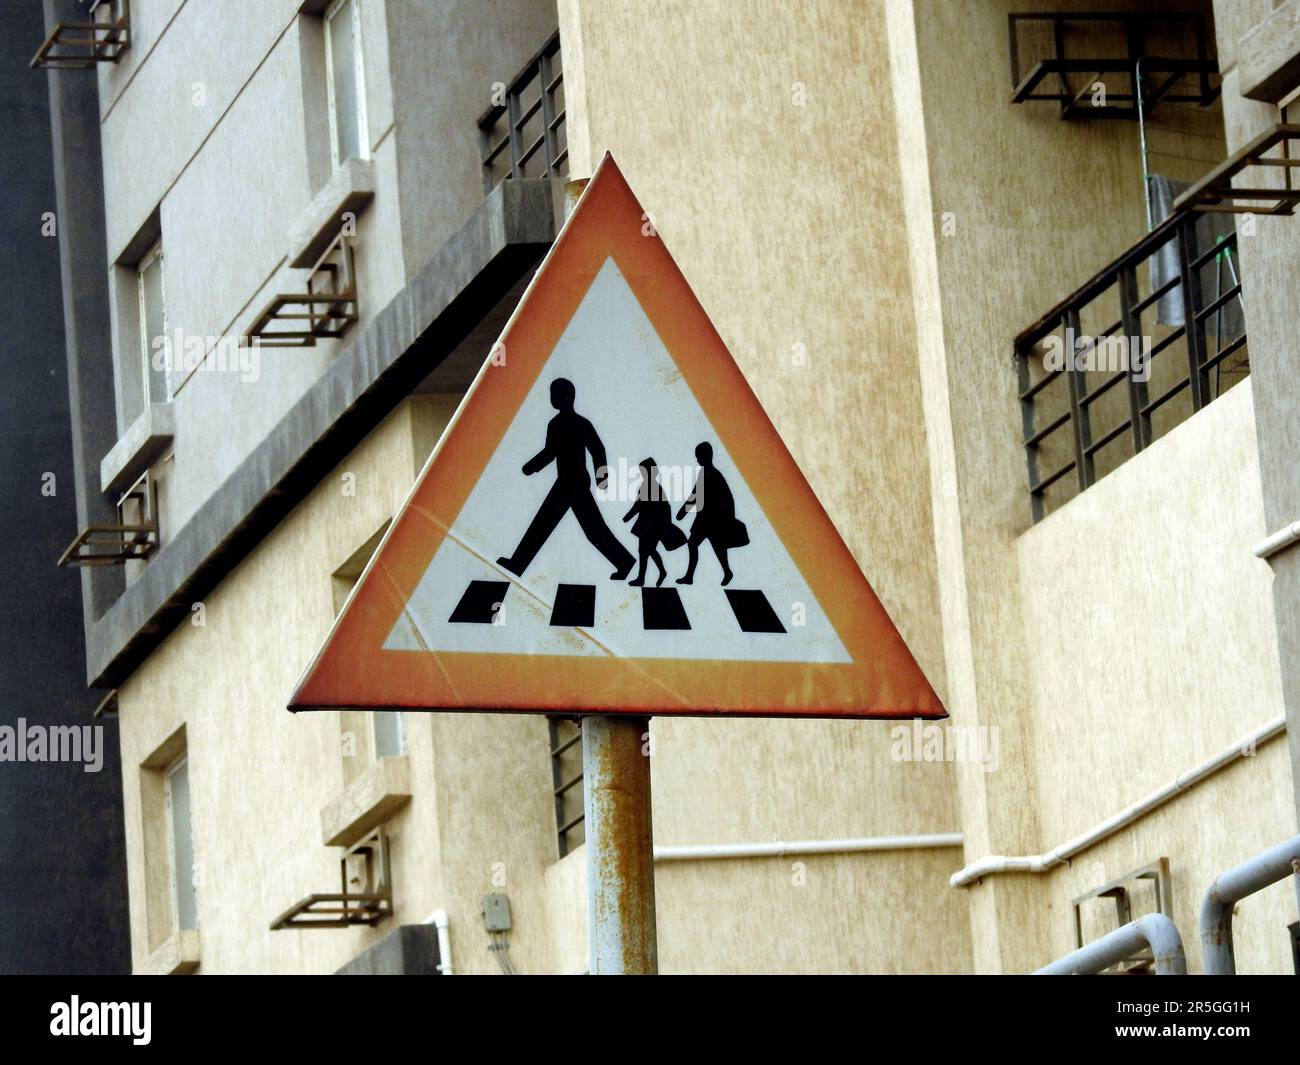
(523, 132)
(1166, 321)
(1118, 362)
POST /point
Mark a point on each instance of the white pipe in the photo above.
(1279, 541)
(439, 918)
(1040, 863)
(781, 848)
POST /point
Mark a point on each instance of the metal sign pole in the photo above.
(620, 848)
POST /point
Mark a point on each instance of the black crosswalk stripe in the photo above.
(481, 602)
(753, 611)
(575, 605)
(661, 608)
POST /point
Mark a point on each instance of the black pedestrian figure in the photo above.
(569, 438)
(653, 525)
(715, 516)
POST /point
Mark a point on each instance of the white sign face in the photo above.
(628, 388)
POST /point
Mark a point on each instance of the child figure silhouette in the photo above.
(653, 525)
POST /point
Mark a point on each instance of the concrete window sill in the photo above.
(149, 436)
(366, 803)
(348, 192)
(179, 956)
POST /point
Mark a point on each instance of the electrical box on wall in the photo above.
(496, 913)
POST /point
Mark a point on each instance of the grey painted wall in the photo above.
(62, 864)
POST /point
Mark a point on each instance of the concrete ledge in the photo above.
(366, 803)
(500, 243)
(1268, 57)
(179, 956)
(349, 190)
(410, 950)
(139, 448)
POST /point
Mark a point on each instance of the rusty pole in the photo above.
(620, 847)
(620, 844)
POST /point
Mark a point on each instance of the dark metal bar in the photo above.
(1218, 302)
(568, 784)
(512, 109)
(1143, 304)
(1041, 486)
(553, 732)
(1195, 329)
(548, 115)
(1097, 445)
(1078, 411)
(1100, 281)
(1164, 397)
(1105, 387)
(1027, 429)
(1164, 342)
(1224, 352)
(1048, 377)
(1045, 432)
(530, 151)
(1137, 388)
(570, 742)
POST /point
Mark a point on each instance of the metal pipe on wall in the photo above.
(1229, 888)
(1040, 863)
(785, 848)
(1154, 930)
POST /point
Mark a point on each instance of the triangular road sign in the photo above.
(510, 579)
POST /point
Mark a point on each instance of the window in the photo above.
(137, 515)
(181, 845)
(153, 326)
(346, 85)
(390, 738)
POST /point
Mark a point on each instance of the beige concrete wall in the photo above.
(1269, 258)
(259, 775)
(1232, 816)
(448, 57)
(870, 913)
(1145, 661)
(1074, 638)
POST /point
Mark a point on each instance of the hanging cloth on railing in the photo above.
(1218, 275)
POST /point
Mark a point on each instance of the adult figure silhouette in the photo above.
(715, 516)
(569, 440)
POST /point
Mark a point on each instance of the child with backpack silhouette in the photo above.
(653, 525)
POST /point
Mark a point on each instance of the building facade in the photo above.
(293, 231)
